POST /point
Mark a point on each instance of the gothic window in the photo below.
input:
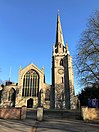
(61, 62)
(0, 95)
(12, 96)
(30, 84)
(47, 95)
(62, 79)
(63, 48)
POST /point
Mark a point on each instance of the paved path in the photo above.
(67, 126)
(50, 125)
(16, 125)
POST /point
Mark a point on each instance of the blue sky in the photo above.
(28, 32)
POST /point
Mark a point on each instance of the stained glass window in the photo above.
(30, 84)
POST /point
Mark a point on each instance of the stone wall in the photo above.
(13, 113)
(90, 113)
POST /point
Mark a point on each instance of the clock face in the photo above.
(60, 71)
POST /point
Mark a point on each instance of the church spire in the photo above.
(59, 35)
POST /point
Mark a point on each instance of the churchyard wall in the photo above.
(90, 113)
(13, 113)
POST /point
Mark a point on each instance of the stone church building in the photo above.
(32, 90)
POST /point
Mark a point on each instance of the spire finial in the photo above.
(10, 74)
(20, 68)
(67, 46)
(58, 12)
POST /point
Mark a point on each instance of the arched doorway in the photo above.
(30, 103)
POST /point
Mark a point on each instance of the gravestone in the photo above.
(40, 113)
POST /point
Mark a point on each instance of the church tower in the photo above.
(61, 76)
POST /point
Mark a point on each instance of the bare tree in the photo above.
(87, 58)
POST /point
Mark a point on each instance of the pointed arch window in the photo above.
(62, 80)
(61, 62)
(12, 96)
(47, 95)
(0, 95)
(30, 84)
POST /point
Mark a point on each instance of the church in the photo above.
(32, 91)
